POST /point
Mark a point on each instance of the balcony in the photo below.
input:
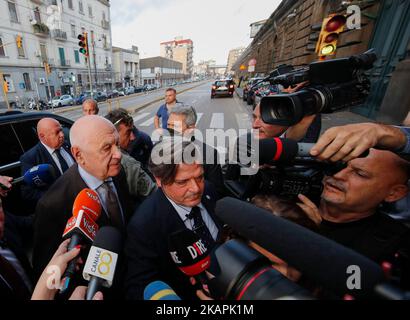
(106, 46)
(48, 60)
(108, 67)
(105, 24)
(59, 34)
(39, 2)
(65, 63)
(41, 30)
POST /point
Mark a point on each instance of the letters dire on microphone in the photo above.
(100, 263)
(82, 222)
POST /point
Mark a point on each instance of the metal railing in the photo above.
(59, 34)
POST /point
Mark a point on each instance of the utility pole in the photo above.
(95, 62)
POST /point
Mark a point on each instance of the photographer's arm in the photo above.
(349, 142)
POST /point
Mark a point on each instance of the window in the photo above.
(37, 15)
(73, 33)
(43, 52)
(13, 12)
(90, 11)
(2, 52)
(9, 142)
(27, 82)
(20, 50)
(70, 4)
(80, 7)
(76, 56)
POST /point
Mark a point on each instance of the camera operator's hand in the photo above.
(6, 182)
(349, 142)
(310, 209)
(80, 292)
(296, 88)
(201, 294)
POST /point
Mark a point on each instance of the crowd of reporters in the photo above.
(149, 202)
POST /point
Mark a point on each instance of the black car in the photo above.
(248, 87)
(112, 94)
(18, 134)
(224, 87)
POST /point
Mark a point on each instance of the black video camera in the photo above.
(333, 85)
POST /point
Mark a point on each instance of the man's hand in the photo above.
(6, 182)
(349, 142)
(310, 209)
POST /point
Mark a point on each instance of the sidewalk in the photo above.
(333, 119)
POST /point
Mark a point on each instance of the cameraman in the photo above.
(350, 203)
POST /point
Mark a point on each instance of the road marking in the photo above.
(244, 120)
(147, 123)
(199, 116)
(140, 116)
(217, 121)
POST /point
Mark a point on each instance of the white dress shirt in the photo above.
(68, 159)
(183, 211)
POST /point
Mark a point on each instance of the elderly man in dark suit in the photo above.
(183, 201)
(51, 149)
(94, 142)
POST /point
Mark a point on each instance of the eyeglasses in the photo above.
(116, 123)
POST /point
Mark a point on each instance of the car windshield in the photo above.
(221, 83)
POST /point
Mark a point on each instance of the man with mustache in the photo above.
(349, 208)
(182, 201)
(51, 149)
(94, 145)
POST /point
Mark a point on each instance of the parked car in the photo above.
(82, 97)
(18, 134)
(129, 90)
(248, 87)
(112, 94)
(121, 92)
(139, 89)
(223, 88)
(64, 100)
(100, 96)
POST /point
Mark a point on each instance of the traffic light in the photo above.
(19, 41)
(47, 68)
(6, 85)
(332, 26)
(83, 43)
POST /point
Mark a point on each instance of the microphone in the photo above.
(159, 290)
(41, 175)
(81, 227)
(102, 260)
(320, 259)
(189, 253)
(282, 150)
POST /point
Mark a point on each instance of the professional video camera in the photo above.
(286, 170)
(333, 85)
(238, 272)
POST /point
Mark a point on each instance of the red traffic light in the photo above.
(335, 23)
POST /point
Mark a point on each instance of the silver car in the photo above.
(64, 100)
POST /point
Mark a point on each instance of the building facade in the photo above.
(49, 31)
(291, 33)
(181, 50)
(233, 56)
(161, 71)
(126, 67)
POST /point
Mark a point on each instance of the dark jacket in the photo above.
(33, 157)
(146, 249)
(55, 208)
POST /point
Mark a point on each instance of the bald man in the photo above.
(94, 145)
(51, 149)
(350, 211)
(90, 107)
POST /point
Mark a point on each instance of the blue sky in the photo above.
(215, 26)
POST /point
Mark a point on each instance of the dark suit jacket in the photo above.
(213, 170)
(35, 156)
(55, 208)
(14, 242)
(146, 249)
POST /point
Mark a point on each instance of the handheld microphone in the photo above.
(159, 290)
(81, 227)
(320, 259)
(40, 176)
(189, 253)
(102, 260)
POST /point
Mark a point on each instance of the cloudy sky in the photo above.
(215, 26)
